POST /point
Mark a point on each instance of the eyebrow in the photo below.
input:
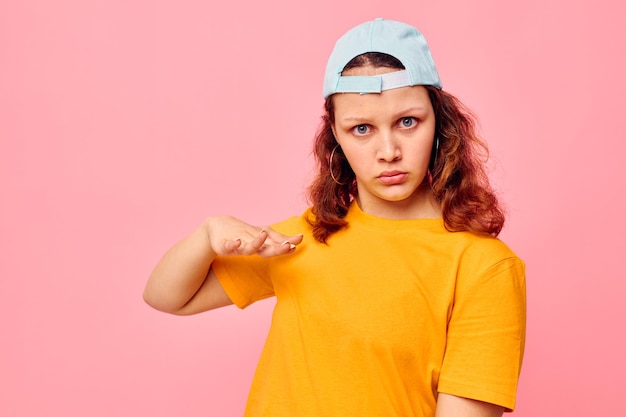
(411, 110)
(357, 120)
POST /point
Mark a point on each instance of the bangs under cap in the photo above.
(402, 41)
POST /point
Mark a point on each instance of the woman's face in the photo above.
(387, 138)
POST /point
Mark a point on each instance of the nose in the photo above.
(389, 148)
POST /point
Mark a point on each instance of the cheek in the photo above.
(426, 142)
(426, 148)
(359, 159)
(419, 153)
(355, 159)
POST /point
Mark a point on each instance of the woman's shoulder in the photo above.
(485, 256)
(485, 245)
(475, 252)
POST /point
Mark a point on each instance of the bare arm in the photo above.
(183, 283)
(453, 406)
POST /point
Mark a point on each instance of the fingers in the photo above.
(279, 244)
(266, 243)
(231, 245)
(280, 238)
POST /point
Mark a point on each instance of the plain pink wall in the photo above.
(124, 123)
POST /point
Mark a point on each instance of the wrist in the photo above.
(205, 231)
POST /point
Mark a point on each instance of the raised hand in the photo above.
(230, 236)
(183, 281)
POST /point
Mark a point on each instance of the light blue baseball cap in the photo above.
(400, 40)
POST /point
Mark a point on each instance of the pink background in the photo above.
(124, 123)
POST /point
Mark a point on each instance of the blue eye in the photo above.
(361, 129)
(408, 121)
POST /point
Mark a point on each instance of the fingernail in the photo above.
(291, 245)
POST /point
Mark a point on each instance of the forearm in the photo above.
(181, 272)
(453, 406)
(183, 282)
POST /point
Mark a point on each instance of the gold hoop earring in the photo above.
(330, 166)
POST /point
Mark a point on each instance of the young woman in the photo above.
(393, 295)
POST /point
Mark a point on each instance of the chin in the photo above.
(397, 198)
(401, 193)
(414, 195)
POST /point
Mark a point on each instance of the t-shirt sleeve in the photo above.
(244, 278)
(486, 335)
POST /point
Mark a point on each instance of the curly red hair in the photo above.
(458, 178)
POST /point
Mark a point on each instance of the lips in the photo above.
(393, 177)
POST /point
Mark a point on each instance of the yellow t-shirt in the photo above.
(381, 319)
